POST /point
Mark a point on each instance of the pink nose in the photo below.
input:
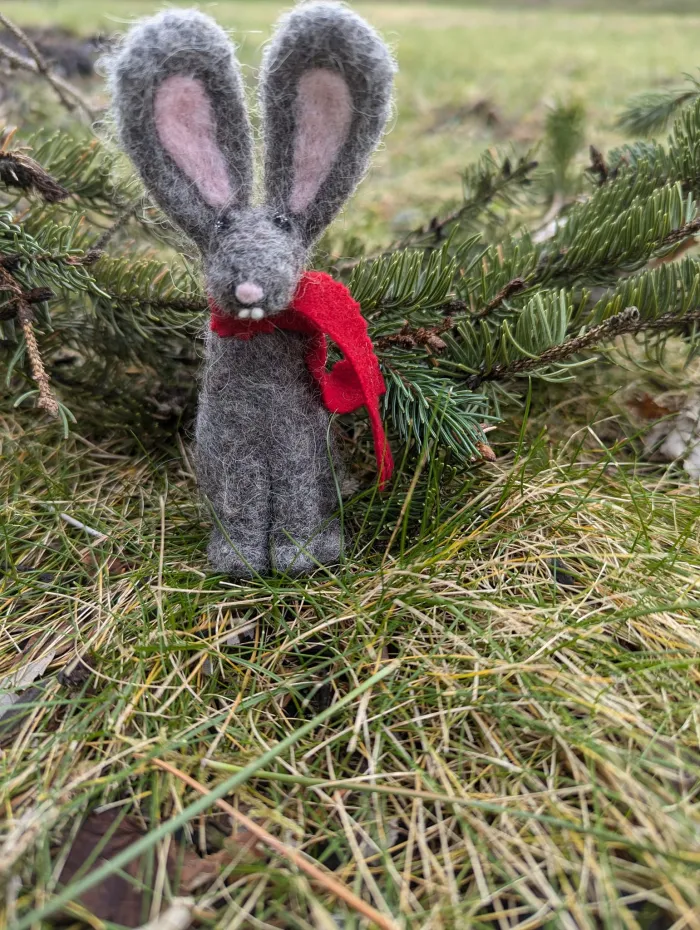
(248, 293)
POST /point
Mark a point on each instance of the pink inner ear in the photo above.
(323, 114)
(186, 128)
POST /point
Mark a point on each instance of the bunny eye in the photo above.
(222, 223)
(282, 222)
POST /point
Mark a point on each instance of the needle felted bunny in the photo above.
(263, 443)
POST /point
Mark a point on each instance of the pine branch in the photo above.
(627, 322)
(582, 253)
(651, 112)
(69, 96)
(37, 295)
(88, 169)
(670, 288)
(509, 289)
(119, 223)
(425, 408)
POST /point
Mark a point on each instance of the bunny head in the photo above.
(325, 95)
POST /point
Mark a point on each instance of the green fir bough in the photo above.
(462, 309)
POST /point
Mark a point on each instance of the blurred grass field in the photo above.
(506, 65)
(542, 611)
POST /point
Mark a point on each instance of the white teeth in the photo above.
(243, 314)
(257, 313)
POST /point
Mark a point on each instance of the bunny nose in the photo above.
(248, 293)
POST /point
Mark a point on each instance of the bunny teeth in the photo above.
(257, 313)
(244, 314)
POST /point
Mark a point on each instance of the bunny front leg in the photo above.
(238, 488)
(304, 496)
(235, 480)
(305, 531)
(231, 461)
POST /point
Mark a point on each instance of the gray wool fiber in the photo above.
(264, 454)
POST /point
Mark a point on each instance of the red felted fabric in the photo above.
(323, 307)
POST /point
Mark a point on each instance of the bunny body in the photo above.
(264, 463)
(264, 456)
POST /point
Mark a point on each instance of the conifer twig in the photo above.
(519, 284)
(121, 220)
(46, 401)
(25, 316)
(510, 289)
(488, 190)
(36, 295)
(598, 166)
(69, 96)
(626, 322)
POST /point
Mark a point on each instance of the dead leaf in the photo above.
(647, 408)
(15, 708)
(27, 674)
(16, 703)
(678, 437)
(113, 566)
(121, 900)
(197, 871)
(77, 672)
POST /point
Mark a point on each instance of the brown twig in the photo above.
(25, 316)
(69, 96)
(330, 884)
(21, 171)
(626, 321)
(35, 295)
(688, 231)
(123, 217)
(11, 260)
(409, 338)
(598, 166)
(668, 321)
(513, 287)
(435, 228)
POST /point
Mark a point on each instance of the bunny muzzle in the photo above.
(254, 263)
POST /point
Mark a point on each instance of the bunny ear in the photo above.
(181, 117)
(325, 94)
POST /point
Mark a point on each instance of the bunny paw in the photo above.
(238, 563)
(326, 548)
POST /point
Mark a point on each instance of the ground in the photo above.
(531, 758)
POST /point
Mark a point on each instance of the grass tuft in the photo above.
(533, 757)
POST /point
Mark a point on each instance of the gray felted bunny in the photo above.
(263, 443)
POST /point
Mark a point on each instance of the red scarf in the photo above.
(323, 307)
